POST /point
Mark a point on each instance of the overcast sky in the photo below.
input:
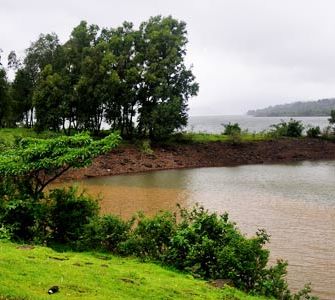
(246, 54)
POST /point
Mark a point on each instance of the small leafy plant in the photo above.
(292, 128)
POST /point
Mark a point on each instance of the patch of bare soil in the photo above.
(129, 159)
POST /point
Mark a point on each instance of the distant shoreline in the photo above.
(288, 116)
(128, 159)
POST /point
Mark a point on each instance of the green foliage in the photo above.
(313, 132)
(331, 120)
(145, 147)
(34, 163)
(113, 75)
(210, 246)
(21, 93)
(48, 99)
(231, 129)
(24, 219)
(5, 101)
(69, 213)
(105, 233)
(151, 237)
(203, 137)
(204, 244)
(332, 117)
(292, 128)
(60, 217)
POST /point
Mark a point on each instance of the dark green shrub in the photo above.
(105, 233)
(314, 132)
(26, 220)
(210, 246)
(331, 121)
(231, 129)
(70, 213)
(151, 237)
(292, 128)
(273, 283)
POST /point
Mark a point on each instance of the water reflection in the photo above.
(295, 203)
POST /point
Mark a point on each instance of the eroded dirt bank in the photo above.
(129, 159)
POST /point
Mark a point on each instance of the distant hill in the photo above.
(297, 109)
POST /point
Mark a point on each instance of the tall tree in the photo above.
(45, 50)
(167, 82)
(21, 94)
(121, 106)
(49, 97)
(4, 99)
(13, 62)
(82, 38)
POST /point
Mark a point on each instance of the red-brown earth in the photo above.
(129, 159)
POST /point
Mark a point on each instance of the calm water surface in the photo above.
(294, 202)
(212, 124)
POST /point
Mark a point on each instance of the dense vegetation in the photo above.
(205, 244)
(311, 108)
(133, 79)
(136, 81)
(96, 276)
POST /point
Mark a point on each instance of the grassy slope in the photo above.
(202, 137)
(28, 273)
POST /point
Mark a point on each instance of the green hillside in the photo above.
(297, 109)
(28, 272)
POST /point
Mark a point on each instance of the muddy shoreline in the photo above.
(129, 159)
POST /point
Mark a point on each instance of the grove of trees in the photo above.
(135, 80)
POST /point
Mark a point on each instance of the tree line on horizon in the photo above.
(322, 107)
(135, 80)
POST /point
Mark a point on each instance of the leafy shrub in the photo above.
(70, 213)
(210, 246)
(231, 129)
(25, 219)
(292, 128)
(331, 121)
(314, 132)
(151, 236)
(5, 233)
(145, 147)
(105, 233)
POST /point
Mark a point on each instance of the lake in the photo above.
(295, 203)
(213, 124)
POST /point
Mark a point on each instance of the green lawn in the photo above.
(202, 137)
(28, 274)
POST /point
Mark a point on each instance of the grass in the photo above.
(28, 273)
(202, 137)
(9, 135)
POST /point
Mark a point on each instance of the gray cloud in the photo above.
(246, 54)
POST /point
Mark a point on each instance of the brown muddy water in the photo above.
(295, 203)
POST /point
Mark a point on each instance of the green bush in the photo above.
(25, 218)
(292, 128)
(145, 147)
(105, 233)
(151, 236)
(210, 246)
(231, 129)
(70, 213)
(313, 132)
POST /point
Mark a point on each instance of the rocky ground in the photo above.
(129, 159)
